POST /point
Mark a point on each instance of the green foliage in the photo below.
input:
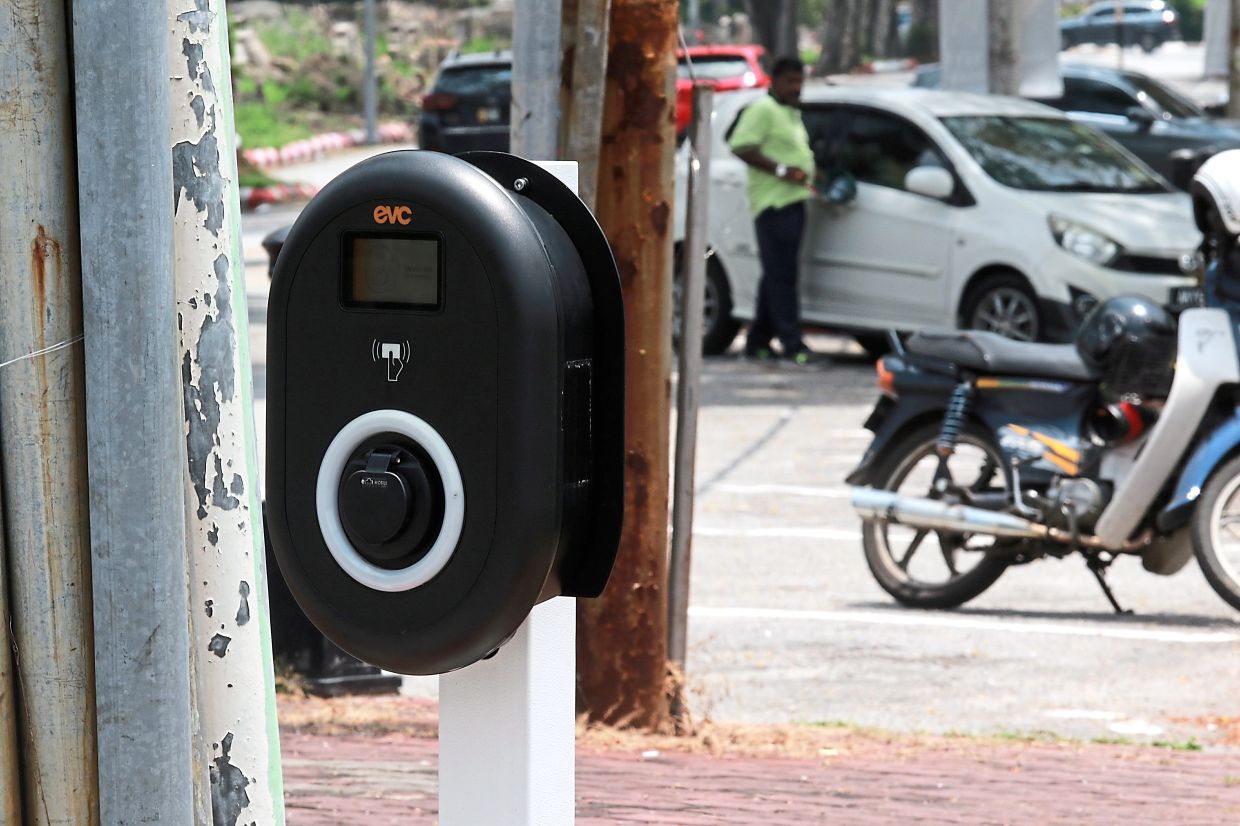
(297, 36)
(1190, 744)
(244, 86)
(1192, 18)
(262, 125)
(255, 177)
(482, 44)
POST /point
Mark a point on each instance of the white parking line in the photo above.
(922, 619)
(777, 533)
(787, 490)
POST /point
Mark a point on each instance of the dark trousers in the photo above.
(778, 313)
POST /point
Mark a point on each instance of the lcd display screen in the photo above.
(392, 272)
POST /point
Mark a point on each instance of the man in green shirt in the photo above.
(770, 137)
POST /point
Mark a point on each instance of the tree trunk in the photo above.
(1003, 57)
(775, 26)
(923, 31)
(622, 636)
(841, 50)
(884, 36)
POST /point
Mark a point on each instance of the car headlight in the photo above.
(1083, 242)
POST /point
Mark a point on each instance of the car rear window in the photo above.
(712, 67)
(475, 80)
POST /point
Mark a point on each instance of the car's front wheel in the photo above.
(719, 328)
(1003, 304)
(1148, 42)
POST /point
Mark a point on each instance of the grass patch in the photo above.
(1190, 744)
(255, 177)
(297, 37)
(482, 44)
(259, 125)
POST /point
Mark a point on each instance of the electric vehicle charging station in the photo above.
(445, 433)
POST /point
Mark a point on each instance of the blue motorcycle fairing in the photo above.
(1210, 453)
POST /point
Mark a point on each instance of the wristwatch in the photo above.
(781, 169)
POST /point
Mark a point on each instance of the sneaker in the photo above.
(801, 358)
(762, 355)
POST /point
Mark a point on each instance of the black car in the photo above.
(1148, 24)
(469, 104)
(1150, 119)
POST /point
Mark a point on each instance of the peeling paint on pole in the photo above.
(42, 431)
(233, 650)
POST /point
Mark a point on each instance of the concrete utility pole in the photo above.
(10, 778)
(239, 747)
(42, 435)
(536, 79)
(1233, 63)
(1216, 38)
(144, 688)
(622, 642)
(581, 98)
(1003, 53)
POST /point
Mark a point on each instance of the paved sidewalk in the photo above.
(391, 779)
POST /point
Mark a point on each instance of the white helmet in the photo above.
(1216, 188)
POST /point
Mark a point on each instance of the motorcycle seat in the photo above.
(992, 353)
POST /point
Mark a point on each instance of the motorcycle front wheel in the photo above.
(924, 568)
(1216, 532)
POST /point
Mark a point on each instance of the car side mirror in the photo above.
(930, 181)
(1140, 117)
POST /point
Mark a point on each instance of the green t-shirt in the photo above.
(778, 133)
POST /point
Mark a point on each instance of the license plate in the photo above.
(488, 114)
(1187, 297)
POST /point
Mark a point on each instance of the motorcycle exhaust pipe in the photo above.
(917, 512)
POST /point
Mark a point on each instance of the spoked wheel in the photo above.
(1003, 304)
(1216, 532)
(925, 568)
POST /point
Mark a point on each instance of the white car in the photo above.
(972, 211)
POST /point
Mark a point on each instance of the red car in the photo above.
(726, 68)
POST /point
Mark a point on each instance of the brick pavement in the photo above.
(390, 779)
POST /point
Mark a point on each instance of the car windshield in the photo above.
(1051, 155)
(475, 80)
(1169, 100)
(712, 67)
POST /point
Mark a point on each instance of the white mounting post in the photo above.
(506, 725)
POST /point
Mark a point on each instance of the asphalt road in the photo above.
(786, 623)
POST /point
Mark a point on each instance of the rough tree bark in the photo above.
(884, 34)
(841, 46)
(775, 25)
(923, 33)
(622, 637)
(1003, 59)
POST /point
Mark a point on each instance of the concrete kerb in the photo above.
(308, 149)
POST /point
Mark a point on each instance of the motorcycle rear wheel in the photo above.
(1216, 532)
(890, 550)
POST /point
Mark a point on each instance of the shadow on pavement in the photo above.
(1106, 617)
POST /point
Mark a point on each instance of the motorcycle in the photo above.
(1003, 452)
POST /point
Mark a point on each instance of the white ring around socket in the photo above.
(331, 471)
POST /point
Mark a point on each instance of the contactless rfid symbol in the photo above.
(396, 354)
